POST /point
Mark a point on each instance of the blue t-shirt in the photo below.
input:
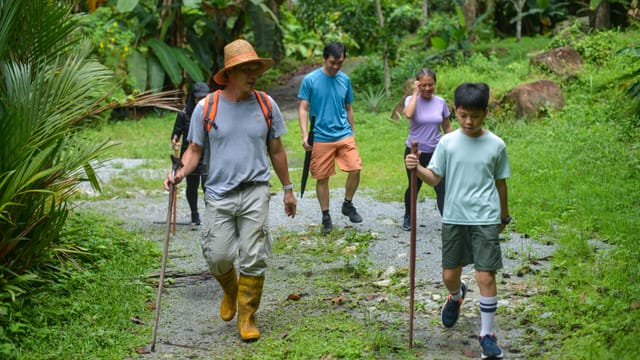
(328, 97)
(471, 165)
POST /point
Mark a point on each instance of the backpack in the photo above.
(209, 118)
(211, 106)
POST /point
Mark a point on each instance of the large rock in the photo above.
(564, 61)
(533, 99)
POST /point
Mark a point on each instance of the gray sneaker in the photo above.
(349, 210)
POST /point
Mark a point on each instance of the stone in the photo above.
(533, 99)
(563, 61)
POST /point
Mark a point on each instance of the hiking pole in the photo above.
(307, 157)
(176, 164)
(412, 247)
(175, 199)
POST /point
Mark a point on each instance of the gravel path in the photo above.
(190, 328)
(189, 324)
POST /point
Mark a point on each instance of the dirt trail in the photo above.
(189, 323)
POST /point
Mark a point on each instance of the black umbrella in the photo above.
(307, 157)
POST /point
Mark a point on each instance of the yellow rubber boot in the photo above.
(229, 284)
(249, 294)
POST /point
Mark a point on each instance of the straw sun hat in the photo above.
(240, 52)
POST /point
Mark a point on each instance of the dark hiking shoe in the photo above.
(195, 221)
(406, 223)
(349, 210)
(327, 226)
(195, 218)
(490, 348)
(451, 308)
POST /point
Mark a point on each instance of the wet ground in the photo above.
(189, 325)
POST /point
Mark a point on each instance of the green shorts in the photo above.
(471, 244)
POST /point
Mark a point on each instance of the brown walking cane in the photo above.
(412, 247)
(176, 164)
(175, 200)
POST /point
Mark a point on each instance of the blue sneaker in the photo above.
(451, 309)
(490, 348)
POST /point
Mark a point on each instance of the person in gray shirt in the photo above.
(242, 147)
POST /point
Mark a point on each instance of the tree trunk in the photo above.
(469, 10)
(602, 19)
(425, 12)
(519, 6)
(385, 53)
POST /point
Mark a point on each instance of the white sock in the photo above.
(456, 295)
(488, 307)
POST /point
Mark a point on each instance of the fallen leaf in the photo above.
(383, 283)
(470, 353)
(635, 306)
(143, 351)
(294, 297)
(349, 249)
(583, 297)
(337, 300)
(137, 320)
(370, 297)
(151, 306)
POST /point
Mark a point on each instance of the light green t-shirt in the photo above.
(471, 166)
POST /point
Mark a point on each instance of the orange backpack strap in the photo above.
(265, 105)
(211, 106)
(209, 111)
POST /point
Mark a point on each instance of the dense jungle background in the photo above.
(85, 82)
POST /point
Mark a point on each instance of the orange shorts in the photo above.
(325, 154)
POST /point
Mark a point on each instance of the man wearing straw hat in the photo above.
(237, 188)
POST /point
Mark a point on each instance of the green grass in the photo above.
(148, 138)
(316, 326)
(87, 313)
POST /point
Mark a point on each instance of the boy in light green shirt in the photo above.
(476, 166)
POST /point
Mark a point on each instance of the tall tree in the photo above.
(425, 12)
(385, 52)
(518, 5)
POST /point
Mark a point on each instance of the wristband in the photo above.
(288, 187)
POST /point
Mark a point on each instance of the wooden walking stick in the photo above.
(176, 164)
(412, 247)
(175, 200)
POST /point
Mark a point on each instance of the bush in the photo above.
(595, 48)
(369, 71)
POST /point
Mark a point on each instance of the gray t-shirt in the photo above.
(471, 165)
(238, 143)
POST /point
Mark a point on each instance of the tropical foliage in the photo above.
(47, 86)
(154, 45)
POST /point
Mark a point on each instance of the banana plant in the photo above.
(164, 53)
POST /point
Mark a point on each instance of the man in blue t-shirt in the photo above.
(326, 94)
